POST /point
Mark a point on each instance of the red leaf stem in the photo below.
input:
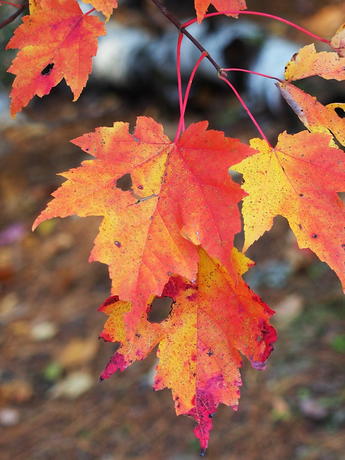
(186, 95)
(267, 15)
(179, 78)
(235, 69)
(15, 5)
(246, 108)
(90, 11)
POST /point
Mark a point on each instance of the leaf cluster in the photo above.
(170, 211)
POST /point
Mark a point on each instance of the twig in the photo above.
(14, 15)
(185, 32)
(204, 55)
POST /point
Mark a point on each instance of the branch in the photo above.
(222, 74)
(14, 15)
(185, 32)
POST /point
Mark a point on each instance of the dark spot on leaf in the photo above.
(300, 226)
(124, 183)
(47, 69)
(314, 235)
(301, 194)
(210, 353)
(117, 244)
(138, 335)
(160, 309)
(340, 112)
(140, 187)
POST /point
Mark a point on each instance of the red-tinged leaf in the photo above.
(201, 6)
(56, 41)
(299, 180)
(315, 116)
(309, 63)
(338, 41)
(104, 6)
(159, 200)
(212, 322)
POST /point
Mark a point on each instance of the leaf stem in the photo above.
(246, 108)
(181, 28)
(235, 69)
(15, 5)
(266, 15)
(186, 95)
(90, 11)
(178, 73)
(14, 15)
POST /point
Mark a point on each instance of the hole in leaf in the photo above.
(160, 309)
(47, 69)
(340, 112)
(124, 183)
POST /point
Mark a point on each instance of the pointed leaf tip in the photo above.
(211, 324)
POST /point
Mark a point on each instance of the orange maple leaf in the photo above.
(56, 41)
(299, 180)
(201, 6)
(308, 63)
(105, 6)
(314, 115)
(159, 201)
(212, 322)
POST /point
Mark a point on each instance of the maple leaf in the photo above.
(338, 41)
(212, 322)
(308, 63)
(33, 5)
(201, 6)
(159, 201)
(299, 180)
(56, 41)
(105, 6)
(314, 115)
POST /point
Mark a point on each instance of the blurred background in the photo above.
(51, 404)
